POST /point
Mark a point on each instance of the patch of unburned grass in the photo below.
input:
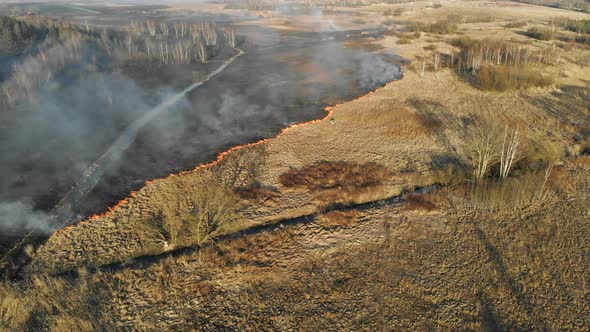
(334, 219)
(43, 303)
(396, 122)
(502, 78)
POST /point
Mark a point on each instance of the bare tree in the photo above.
(511, 150)
(201, 54)
(436, 63)
(213, 208)
(241, 169)
(422, 66)
(482, 149)
(230, 37)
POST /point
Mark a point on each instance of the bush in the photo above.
(441, 28)
(192, 215)
(581, 26)
(540, 34)
(513, 25)
(334, 219)
(418, 202)
(398, 12)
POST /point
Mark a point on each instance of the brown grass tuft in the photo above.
(418, 202)
(334, 219)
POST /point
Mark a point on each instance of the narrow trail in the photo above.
(61, 215)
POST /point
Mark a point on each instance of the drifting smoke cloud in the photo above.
(279, 81)
(46, 142)
(19, 218)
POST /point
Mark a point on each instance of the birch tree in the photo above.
(511, 150)
(482, 149)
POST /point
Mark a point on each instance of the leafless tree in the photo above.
(511, 150)
(482, 148)
(230, 37)
(241, 169)
(213, 208)
(201, 54)
(436, 62)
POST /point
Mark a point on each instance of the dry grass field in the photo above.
(314, 242)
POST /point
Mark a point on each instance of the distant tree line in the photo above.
(53, 46)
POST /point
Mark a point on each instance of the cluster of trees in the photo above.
(55, 46)
(262, 4)
(503, 164)
(494, 65)
(36, 70)
(476, 54)
(490, 145)
(579, 5)
(179, 43)
(501, 66)
(200, 209)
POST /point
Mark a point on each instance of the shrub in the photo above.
(397, 12)
(441, 28)
(513, 25)
(213, 209)
(335, 219)
(580, 26)
(431, 47)
(192, 215)
(540, 34)
(418, 202)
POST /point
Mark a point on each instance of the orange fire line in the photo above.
(329, 110)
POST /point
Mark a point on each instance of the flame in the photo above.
(329, 110)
